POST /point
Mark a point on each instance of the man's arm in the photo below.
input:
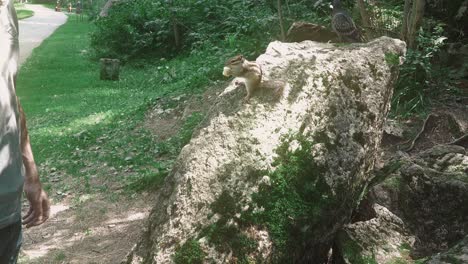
(38, 200)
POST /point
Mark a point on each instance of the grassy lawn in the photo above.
(21, 12)
(86, 127)
(24, 13)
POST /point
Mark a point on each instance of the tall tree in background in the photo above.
(175, 25)
(412, 17)
(364, 14)
(281, 20)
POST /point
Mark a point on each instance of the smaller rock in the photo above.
(440, 150)
(384, 239)
(456, 254)
(265, 181)
(392, 127)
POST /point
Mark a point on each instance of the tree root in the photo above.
(423, 128)
(461, 141)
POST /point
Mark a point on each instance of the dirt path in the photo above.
(37, 28)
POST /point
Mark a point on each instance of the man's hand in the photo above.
(39, 204)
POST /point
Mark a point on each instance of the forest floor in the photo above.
(104, 147)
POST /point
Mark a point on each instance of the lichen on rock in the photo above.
(315, 148)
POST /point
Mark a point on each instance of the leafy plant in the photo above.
(292, 206)
(189, 253)
(419, 77)
(144, 28)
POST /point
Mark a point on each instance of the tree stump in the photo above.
(110, 69)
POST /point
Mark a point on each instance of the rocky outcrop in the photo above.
(382, 239)
(456, 254)
(430, 194)
(273, 181)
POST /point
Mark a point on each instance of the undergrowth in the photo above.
(189, 253)
(225, 234)
(422, 80)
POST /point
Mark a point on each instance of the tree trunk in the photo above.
(105, 10)
(406, 16)
(412, 21)
(175, 26)
(366, 22)
(281, 20)
(328, 123)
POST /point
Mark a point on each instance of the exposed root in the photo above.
(461, 141)
(423, 128)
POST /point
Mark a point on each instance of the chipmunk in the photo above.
(252, 74)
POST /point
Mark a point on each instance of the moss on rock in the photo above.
(292, 206)
(225, 234)
(189, 253)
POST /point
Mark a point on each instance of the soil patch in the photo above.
(87, 228)
(168, 115)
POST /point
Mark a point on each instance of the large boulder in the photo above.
(273, 181)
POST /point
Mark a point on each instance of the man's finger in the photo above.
(39, 220)
(31, 217)
(28, 213)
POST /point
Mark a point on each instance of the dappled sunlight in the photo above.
(75, 125)
(131, 216)
(90, 120)
(86, 230)
(58, 208)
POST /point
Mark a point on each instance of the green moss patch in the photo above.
(292, 207)
(352, 252)
(392, 59)
(225, 234)
(189, 253)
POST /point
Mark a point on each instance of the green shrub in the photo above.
(131, 28)
(139, 28)
(189, 253)
(420, 78)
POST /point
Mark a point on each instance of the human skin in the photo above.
(39, 204)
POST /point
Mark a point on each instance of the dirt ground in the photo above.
(95, 231)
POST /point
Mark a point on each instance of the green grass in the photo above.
(81, 125)
(24, 13)
(51, 6)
